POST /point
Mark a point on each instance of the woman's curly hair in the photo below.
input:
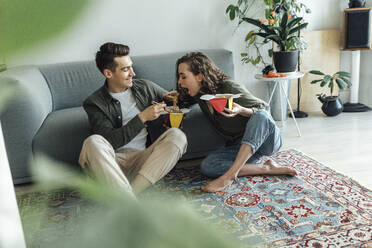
(201, 63)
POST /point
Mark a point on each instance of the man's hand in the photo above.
(237, 109)
(152, 112)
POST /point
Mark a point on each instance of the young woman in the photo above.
(248, 129)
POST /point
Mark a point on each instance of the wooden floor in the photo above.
(343, 142)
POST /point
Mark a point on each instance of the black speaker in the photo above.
(357, 29)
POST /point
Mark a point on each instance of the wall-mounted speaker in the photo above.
(357, 29)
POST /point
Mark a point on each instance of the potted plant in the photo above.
(284, 33)
(357, 3)
(332, 105)
(281, 26)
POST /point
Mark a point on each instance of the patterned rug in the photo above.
(317, 208)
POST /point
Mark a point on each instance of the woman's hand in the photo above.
(237, 109)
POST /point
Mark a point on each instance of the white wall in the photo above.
(153, 27)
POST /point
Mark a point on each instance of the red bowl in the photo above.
(218, 104)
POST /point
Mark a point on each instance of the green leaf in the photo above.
(249, 35)
(297, 28)
(343, 74)
(228, 9)
(26, 23)
(315, 81)
(270, 52)
(322, 83)
(257, 23)
(257, 60)
(263, 35)
(347, 81)
(316, 72)
(290, 44)
(232, 14)
(245, 60)
(252, 40)
(267, 13)
(284, 20)
(278, 30)
(272, 37)
(340, 83)
(293, 21)
(326, 79)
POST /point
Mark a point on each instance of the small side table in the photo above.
(279, 81)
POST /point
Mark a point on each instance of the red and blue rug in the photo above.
(317, 208)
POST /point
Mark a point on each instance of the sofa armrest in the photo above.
(23, 116)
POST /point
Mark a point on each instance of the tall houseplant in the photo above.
(284, 35)
(281, 27)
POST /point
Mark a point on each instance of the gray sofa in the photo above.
(48, 116)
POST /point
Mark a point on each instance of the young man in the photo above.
(118, 113)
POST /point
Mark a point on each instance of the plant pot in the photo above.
(332, 105)
(285, 61)
(357, 3)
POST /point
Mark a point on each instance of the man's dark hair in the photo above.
(107, 53)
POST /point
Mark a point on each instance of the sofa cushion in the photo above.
(161, 68)
(70, 83)
(62, 134)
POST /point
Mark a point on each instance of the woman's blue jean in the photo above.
(261, 134)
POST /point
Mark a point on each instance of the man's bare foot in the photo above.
(273, 167)
(218, 184)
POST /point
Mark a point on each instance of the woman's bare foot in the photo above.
(268, 168)
(218, 184)
(275, 169)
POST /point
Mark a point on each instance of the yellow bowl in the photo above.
(175, 119)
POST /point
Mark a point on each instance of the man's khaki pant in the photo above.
(119, 169)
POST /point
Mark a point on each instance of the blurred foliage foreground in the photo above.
(123, 221)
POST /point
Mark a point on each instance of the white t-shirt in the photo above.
(129, 110)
